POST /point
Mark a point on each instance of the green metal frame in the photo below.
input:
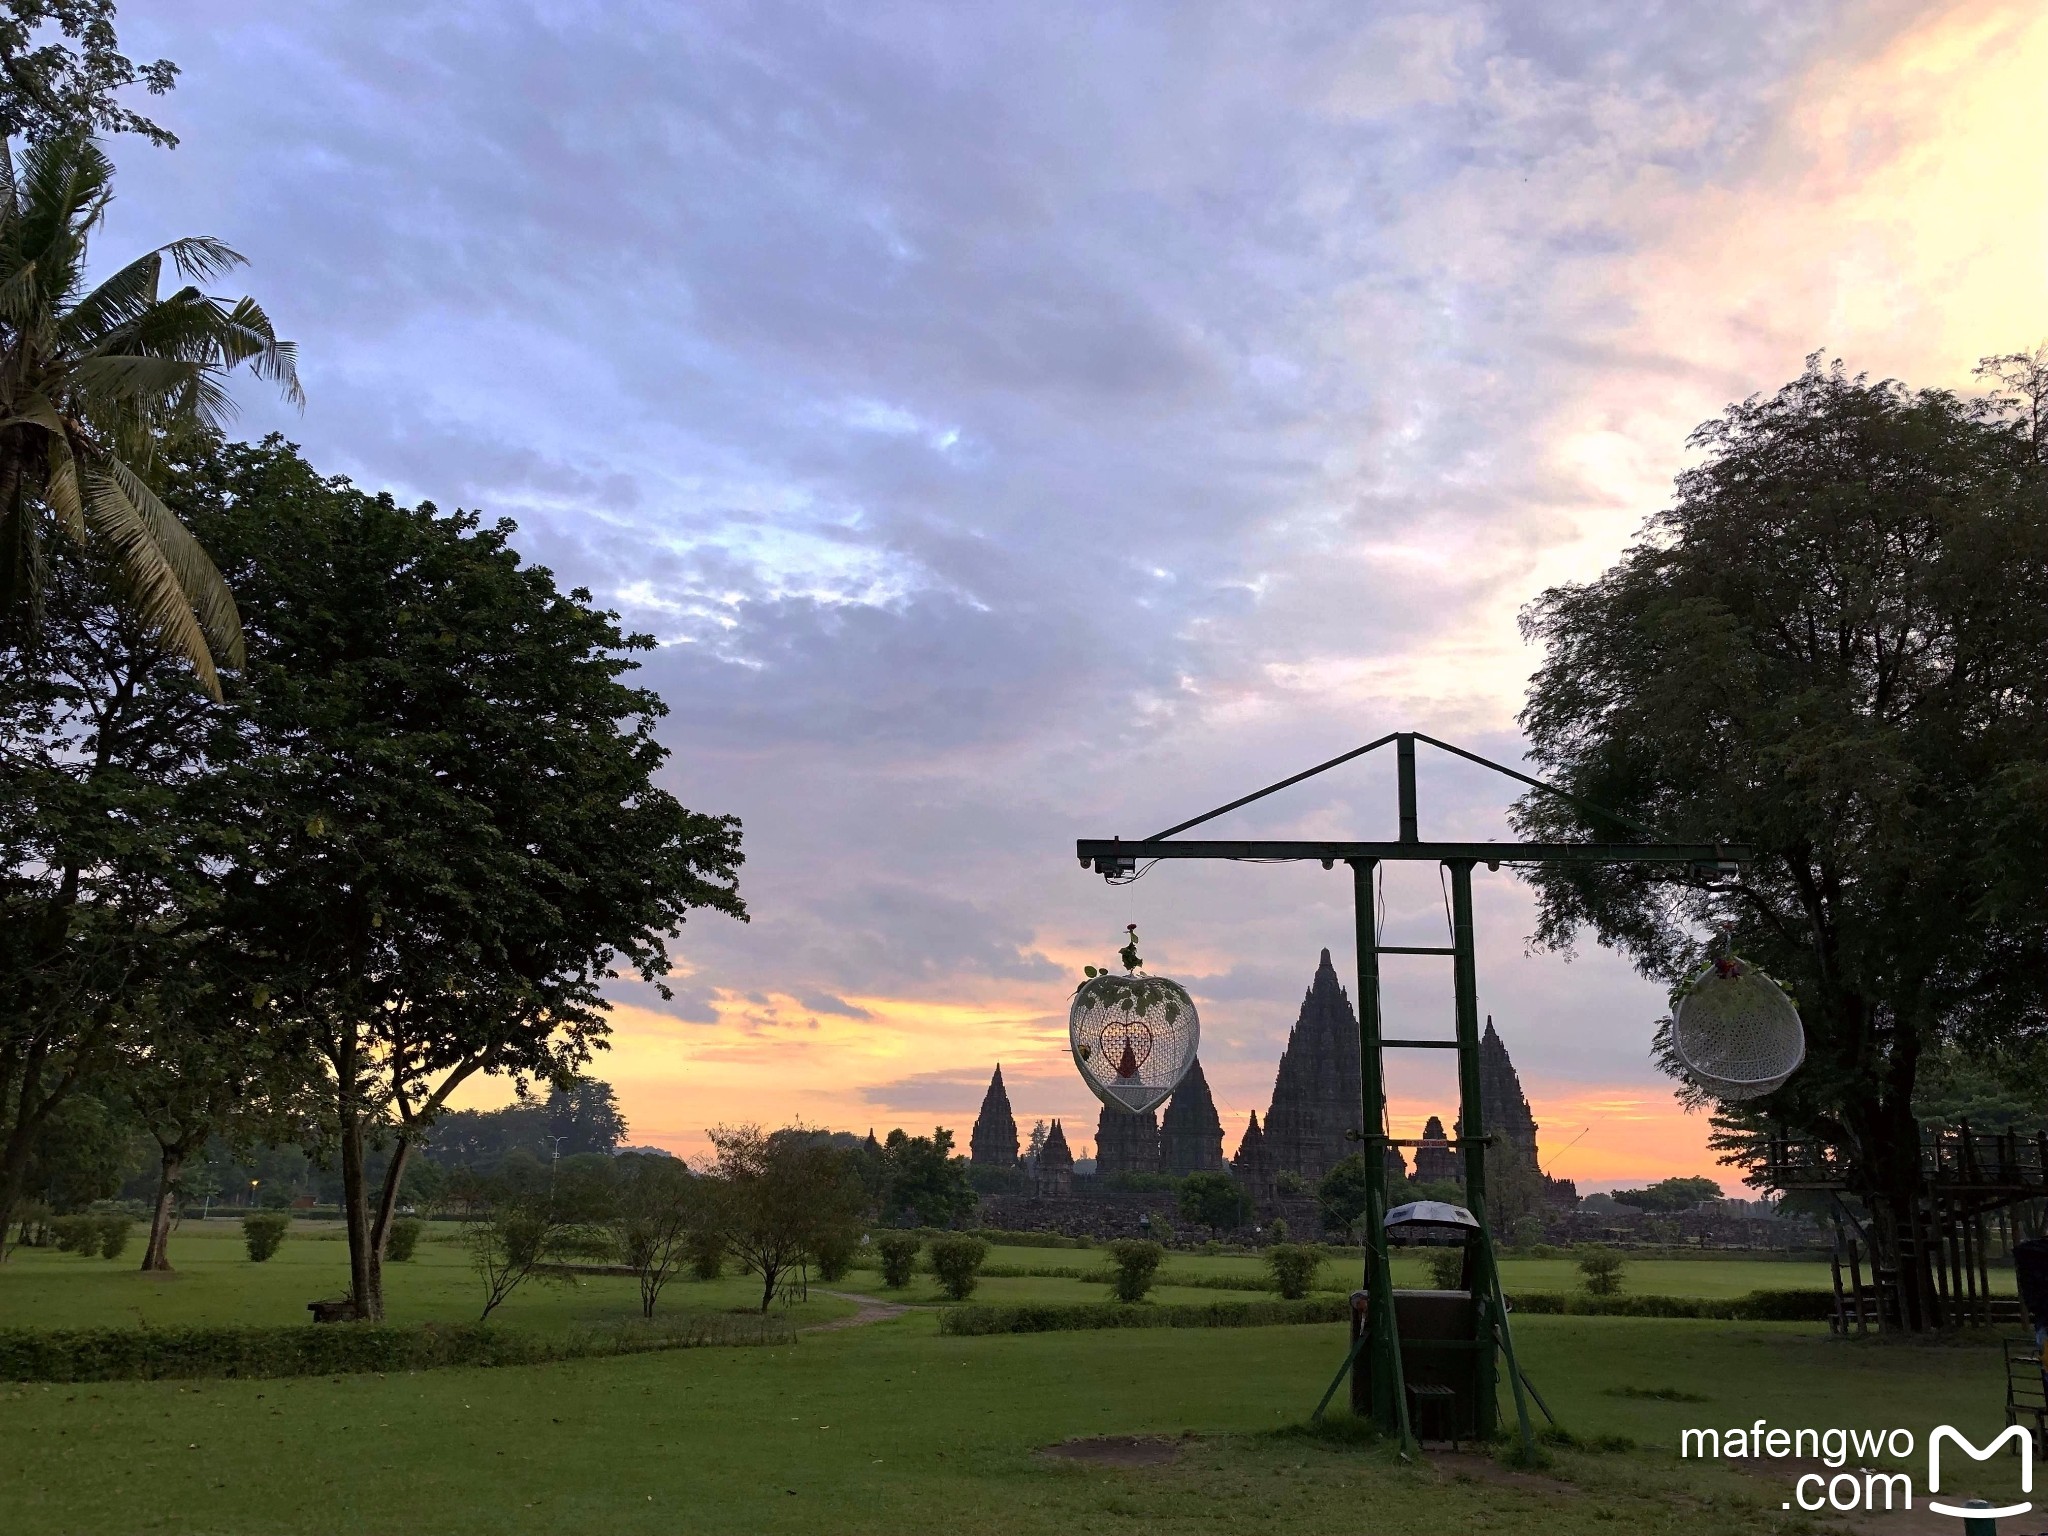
(1379, 1341)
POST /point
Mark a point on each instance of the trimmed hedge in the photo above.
(1797, 1306)
(1213, 1314)
(150, 1354)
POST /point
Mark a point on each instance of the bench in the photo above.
(339, 1311)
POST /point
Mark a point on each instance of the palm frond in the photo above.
(199, 258)
(193, 567)
(154, 592)
(119, 301)
(61, 488)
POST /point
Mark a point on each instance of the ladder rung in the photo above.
(1411, 949)
(1422, 1045)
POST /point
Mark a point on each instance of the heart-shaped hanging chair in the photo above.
(1736, 1032)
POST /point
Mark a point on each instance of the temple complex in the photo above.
(1126, 1143)
(994, 1143)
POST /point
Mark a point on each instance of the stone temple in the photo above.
(1315, 1092)
(1126, 1143)
(1188, 1140)
(1191, 1134)
(994, 1142)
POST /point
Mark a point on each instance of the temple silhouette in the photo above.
(1311, 1124)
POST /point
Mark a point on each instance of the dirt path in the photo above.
(871, 1311)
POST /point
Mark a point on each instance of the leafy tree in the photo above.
(1136, 1262)
(1294, 1267)
(657, 1208)
(783, 1198)
(1214, 1200)
(1829, 647)
(86, 1149)
(1601, 1269)
(61, 69)
(1673, 1194)
(956, 1262)
(584, 1116)
(925, 1179)
(452, 836)
(94, 380)
(103, 894)
(1341, 1196)
(899, 1257)
(512, 1230)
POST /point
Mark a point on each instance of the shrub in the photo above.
(899, 1257)
(1528, 1232)
(74, 1234)
(1293, 1267)
(1280, 1232)
(110, 1235)
(707, 1253)
(1136, 1263)
(957, 1263)
(149, 1354)
(1289, 1182)
(1162, 1232)
(834, 1256)
(1041, 1318)
(1446, 1267)
(403, 1239)
(1791, 1306)
(264, 1232)
(1602, 1270)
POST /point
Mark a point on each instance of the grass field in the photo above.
(891, 1427)
(214, 1282)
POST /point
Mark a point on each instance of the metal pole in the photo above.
(1404, 757)
(1472, 1135)
(1389, 1392)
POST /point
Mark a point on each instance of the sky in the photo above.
(1021, 422)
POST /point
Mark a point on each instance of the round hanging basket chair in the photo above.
(1133, 1038)
(1736, 1032)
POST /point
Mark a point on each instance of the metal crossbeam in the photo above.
(1094, 851)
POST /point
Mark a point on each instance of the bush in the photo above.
(110, 1235)
(150, 1354)
(1290, 1183)
(1602, 1269)
(707, 1253)
(1792, 1306)
(264, 1232)
(899, 1257)
(403, 1239)
(1136, 1263)
(1039, 1318)
(1446, 1267)
(1162, 1232)
(1293, 1267)
(1528, 1232)
(74, 1234)
(957, 1263)
(834, 1256)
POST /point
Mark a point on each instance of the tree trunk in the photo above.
(157, 1255)
(387, 1210)
(767, 1286)
(10, 1200)
(361, 1273)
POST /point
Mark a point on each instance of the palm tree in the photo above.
(93, 381)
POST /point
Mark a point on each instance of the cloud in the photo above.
(1025, 422)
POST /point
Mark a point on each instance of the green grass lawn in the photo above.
(214, 1282)
(893, 1428)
